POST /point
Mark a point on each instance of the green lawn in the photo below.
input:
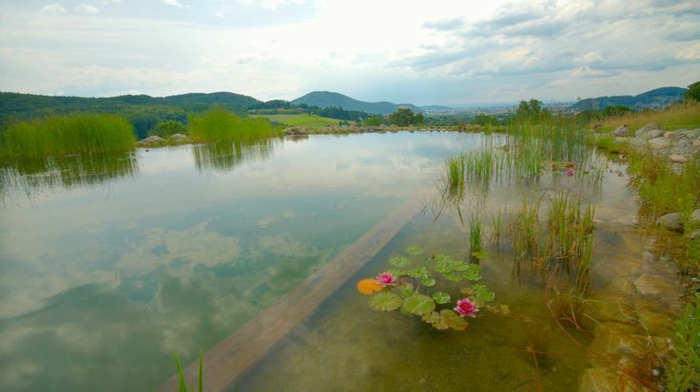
(301, 120)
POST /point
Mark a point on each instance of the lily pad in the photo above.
(482, 293)
(405, 289)
(481, 255)
(414, 250)
(400, 262)
(441, 297)
(431, 318)
(428, 282)
(386, 302)
(451, 319)
(418, 304)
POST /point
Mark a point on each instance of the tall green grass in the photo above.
(69, 134)
(218, 125)
(683, 371)
(561, 244)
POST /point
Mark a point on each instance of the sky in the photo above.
(447, 52)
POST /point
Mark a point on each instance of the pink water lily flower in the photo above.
(569, 173)
(386, 279)
(466, 308)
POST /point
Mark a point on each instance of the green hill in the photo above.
(653, 99)
(324, 99)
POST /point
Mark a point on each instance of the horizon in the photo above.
(445, 53)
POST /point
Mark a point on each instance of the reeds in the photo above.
(228, 156)
(561, 244)
(218, 125)
(69, 134)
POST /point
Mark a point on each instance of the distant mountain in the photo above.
(437, 108)
(654, 99)
(324, 99)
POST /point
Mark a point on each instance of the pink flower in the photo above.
(386, 279)
(569, 173)
(465, 307)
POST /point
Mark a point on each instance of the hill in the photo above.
(324, 99)
(653, 99)
(143, 111)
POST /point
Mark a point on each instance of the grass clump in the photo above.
(218, 125)
(69, 134)
(683, 371)
(561, 244)
(683, 115)
(662, 188)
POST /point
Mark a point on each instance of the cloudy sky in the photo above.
(451, 52)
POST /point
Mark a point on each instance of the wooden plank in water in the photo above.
(228, 359)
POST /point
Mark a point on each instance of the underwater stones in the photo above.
(653, 321)
(671, 222)
(618, 311)
(598, 380)
(649, 284)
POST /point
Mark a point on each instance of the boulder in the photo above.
(178, 137)
(152, 140)
(659, 143)
(653, 134)
(641, 132)
(677, 158)
(671, 221)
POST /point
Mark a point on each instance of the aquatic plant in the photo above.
(68, 134)
(563, 243)
(221, 126)
(425, 288)
(182, 383)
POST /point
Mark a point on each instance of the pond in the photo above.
(109, 265)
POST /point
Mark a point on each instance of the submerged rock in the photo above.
(649, 284)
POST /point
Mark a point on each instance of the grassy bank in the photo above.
(302, 120)
(70, 134)
(684, 115)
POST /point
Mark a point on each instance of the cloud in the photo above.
(53, 9)
(444, 24)
(87, 9)
(174, 3)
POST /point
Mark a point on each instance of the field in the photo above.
(301, 120)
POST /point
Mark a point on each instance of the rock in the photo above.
(696, 142)
(649, 284)
(621, 130)
(694, 235)
(671, 222)
(178, 136)
(677, 158)
(659, 143)
(695, 218)
(152, 140)
(657, 133)
(641, 132)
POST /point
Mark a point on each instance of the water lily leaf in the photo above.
(473, 273)
(482, 293)
(459, 266)
(431, 318)
(481, 255)
(452, 277)
(428, 282)
(400, 262)
(418, 273)
(405, 289)
(452, 320)
(396, 272)
(414, 250)
(418, 304)
(441, 297)
(386, 301)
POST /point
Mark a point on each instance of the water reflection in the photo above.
(226, 157)
(30, 175)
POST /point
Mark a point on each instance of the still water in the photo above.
(109, 265)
